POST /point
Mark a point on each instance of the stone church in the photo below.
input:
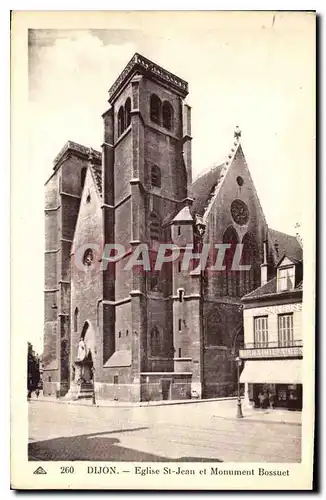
(133, 335)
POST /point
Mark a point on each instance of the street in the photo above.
(199, 432)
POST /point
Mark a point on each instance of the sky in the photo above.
(255, 71)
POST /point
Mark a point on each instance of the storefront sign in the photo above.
(280, 309)
(284, 308)
(278, 352)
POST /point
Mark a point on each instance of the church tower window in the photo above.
(121, 121)
(156, 176)
(83, 177)
(76, 320)
(167, 115)
(128, 112)
(155, 111)
(155, 341)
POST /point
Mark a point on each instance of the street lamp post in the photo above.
(239, 407)
(93, 395)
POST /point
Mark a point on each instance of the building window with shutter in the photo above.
(285, 330)
(261, 331)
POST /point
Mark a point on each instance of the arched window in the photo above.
(155, 343)
(250, 257)
(83, 177)
(76, 320)
(167, 115)
(232, 279)
(127, 112)
(156, 176)
(154, 226)
(156, 109)
(121, 121)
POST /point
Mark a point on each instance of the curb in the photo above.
(262, 421)
(131, 405)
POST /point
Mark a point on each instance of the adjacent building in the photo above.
(273, 344)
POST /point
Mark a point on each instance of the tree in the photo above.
(33, 369)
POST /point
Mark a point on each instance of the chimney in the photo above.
(264, 266)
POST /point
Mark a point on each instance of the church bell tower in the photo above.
(146, 176)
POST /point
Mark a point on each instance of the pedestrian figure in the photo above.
(261, 399)
(271, 401)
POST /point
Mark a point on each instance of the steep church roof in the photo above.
(97, 175)
(285, 244)
(270, 288)
(204, 188)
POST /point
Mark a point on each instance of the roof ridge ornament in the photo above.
(237, 133)
(298, 235)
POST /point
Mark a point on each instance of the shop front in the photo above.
(273, 383)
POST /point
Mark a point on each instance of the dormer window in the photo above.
(285, 278)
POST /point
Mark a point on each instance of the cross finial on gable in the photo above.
(297, 226)
(237, 133)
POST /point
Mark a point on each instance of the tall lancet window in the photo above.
(167, 112)
(250, 257)
(83, 177)
(155, 341)
(127, 112)
(76, 320)
(231, 277)
(121, 121)
(156, 109)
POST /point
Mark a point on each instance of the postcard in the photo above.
(163, 189)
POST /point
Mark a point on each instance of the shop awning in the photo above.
(276, 371)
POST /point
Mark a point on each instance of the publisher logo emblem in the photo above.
(40, 470)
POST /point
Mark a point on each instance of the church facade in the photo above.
(131, 334)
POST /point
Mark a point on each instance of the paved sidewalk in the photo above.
(278, 416)
(225, 408)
